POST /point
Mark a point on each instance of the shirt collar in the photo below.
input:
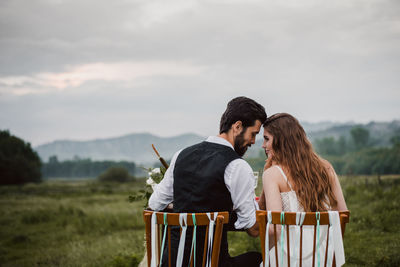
(219, 140)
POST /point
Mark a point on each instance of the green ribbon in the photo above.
(317, 215)
(164, 235)
(193, 249)
(282, 231)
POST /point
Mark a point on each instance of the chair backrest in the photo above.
(290, 244)
(161, 222)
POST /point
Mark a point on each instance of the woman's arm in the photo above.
(271, 178)
(337, 189)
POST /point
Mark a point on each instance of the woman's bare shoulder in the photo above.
(271, 174)
(328, 166)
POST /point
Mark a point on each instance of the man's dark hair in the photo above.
(241, 109)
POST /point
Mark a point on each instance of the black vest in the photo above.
(199, 186)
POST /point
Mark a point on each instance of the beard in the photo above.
(239, 144)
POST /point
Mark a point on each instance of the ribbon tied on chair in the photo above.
(210, 237)
(181, 247)
(299, 223)
(335, 239)
(153, 240)
(266, 251)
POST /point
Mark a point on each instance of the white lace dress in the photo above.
(290, 203)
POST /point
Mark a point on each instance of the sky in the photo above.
(81, 70)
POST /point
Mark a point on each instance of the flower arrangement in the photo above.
(155, 175)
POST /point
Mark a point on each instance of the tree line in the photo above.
(20, 164)
(82, 168)
(357, 154)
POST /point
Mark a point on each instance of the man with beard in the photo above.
(211, 176)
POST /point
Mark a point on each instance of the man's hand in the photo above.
(254, 231)
(261, 201)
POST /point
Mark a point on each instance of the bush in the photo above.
(116, 174)
(19, 163)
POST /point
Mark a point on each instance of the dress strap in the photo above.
(284, 176)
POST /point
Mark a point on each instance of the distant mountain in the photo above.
(321, 126)
(132, 147)
(137, 147)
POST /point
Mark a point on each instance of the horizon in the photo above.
(259, 135)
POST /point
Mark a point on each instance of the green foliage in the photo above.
(58, 223)
(395, 140)
(81, 168)
(329, 146)
(353, 156)
(155, 177)
(19, 164)
(257, 164)
(80, 223)
(115, 174)
(372, 237)
(85, 224)
(360, 137)
(125, 261)
(372, 161)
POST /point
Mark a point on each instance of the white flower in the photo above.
(155, 171)
(151, 183)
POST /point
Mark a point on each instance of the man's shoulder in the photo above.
(206, 145)
(240, 164)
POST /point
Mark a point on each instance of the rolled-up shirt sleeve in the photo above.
(164, 192)
(239, 179)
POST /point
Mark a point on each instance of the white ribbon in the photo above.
(153, 240)
(335, 235)
(266, 250)
(210, 237)
(299, 222)
(181, 248)
(330, 244)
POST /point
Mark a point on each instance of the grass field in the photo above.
(85, 223)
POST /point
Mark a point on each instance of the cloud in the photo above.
(108, 72)
(64, 63)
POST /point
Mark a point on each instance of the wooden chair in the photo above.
(310, 221)
(172, 220)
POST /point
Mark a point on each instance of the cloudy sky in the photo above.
(95, 68)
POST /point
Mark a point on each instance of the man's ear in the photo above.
(237, 127)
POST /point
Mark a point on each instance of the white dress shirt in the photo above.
(239, 180)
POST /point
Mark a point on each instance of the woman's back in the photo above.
(295, 177)
(289, 199)
(290, 203)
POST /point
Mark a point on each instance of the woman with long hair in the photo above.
(295, 178)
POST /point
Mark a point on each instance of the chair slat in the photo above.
(301, 246)
(326, 249)
(263, 231)
(217, 243)
(290, 219)
(169, 246)
(205, 247)
(147, 219)
(276, 246)
(173, 220)
(288, 245)
(159, 233)
(201, 218)
(313, 250)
